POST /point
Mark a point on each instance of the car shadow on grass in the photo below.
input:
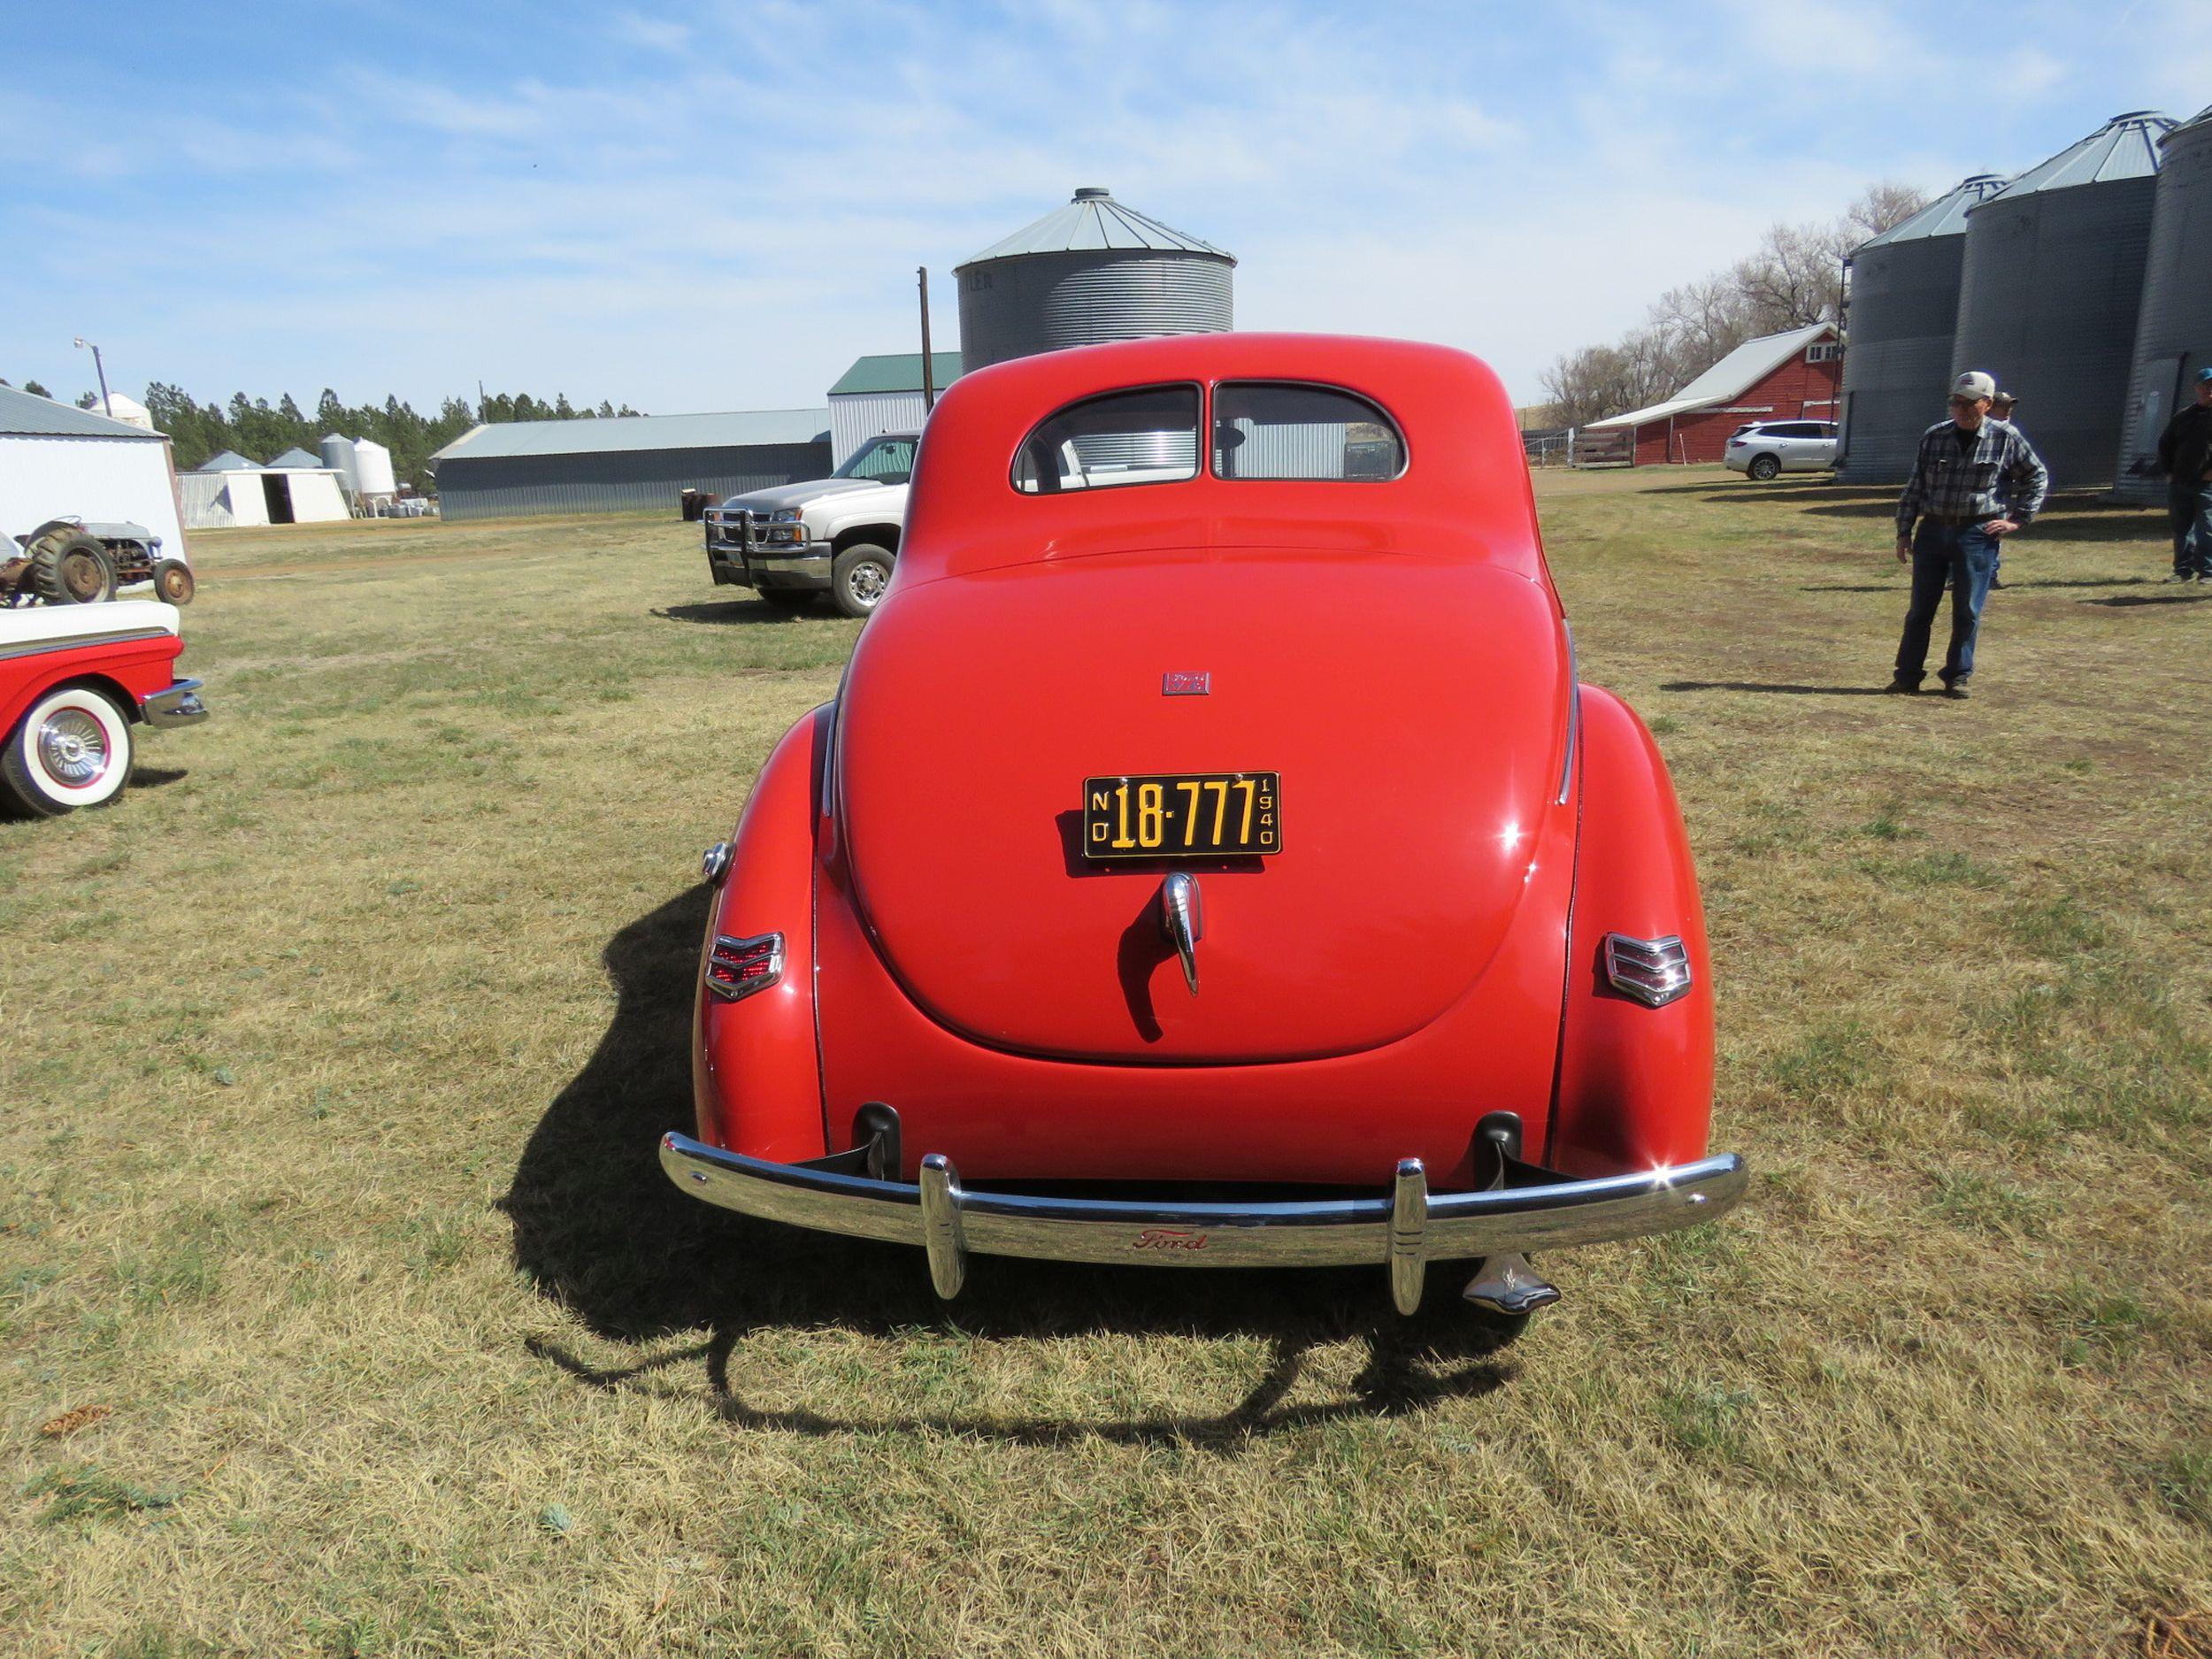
(599, 1229)
(727, 611)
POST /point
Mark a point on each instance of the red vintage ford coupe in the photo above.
(1211, 858)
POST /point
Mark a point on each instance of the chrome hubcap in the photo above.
(73, 747)
(867, 582)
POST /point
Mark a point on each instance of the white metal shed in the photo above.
(57, 461)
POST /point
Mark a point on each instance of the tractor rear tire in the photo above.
(69, 567)
(172, 581)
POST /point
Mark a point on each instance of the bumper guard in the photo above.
(1402, 1232)
(179, 705)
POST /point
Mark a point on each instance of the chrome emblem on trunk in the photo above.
(1174, 684)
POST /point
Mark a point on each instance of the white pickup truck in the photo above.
(838, 535)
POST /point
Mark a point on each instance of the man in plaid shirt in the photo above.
(1976, 480)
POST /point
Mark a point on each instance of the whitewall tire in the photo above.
(73, 749)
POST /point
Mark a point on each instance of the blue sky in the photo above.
(719, 205)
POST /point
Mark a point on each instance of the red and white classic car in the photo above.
(1211, 812)
(74, 681)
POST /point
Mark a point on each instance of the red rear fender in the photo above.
(1635, 1083)
(755, 1076)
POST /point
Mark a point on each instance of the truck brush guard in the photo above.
(1402, 1232)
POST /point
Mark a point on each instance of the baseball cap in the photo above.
(2203, 375)
(1974, 383)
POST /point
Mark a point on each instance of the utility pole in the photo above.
(99, 369)
(929, 378)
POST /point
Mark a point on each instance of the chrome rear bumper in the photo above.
(179, 705)
(1403, 1231)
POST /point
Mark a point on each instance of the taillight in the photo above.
(1653, 972)
(736, 968)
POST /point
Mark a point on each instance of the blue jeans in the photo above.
(2189, 509)
(1962, 557)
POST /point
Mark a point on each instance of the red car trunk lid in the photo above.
(1416, 710)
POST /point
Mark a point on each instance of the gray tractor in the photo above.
(74, 561)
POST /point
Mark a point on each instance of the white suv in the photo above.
(1764, 448)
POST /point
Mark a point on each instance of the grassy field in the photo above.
(343, 1310)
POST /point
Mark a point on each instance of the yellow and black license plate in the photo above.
(1183, 815)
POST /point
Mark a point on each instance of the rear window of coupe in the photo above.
(1145, 435)
(1287, 430)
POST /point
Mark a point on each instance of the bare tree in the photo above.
(1793, 278)
(1883, 206)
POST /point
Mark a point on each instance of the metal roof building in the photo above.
(624, 463)
(2051, 286)
(59, 462)
(231, 491)
(883, 394)
(1904, 311)
(1774, 377)
(1094, 270)
(2173, 331)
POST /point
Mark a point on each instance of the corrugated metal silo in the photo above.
(1904, 310)
(2173, 334)
(2051, 288)
(338, 455)
(1092, 272)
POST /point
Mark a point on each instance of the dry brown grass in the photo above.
(336, 1054)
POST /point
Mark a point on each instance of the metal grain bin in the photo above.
(1904, 310)
(2052, 284)
(1094, 270)
(2173, 333)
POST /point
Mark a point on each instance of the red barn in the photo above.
(1775, 377)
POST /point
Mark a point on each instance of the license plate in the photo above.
(1183, 815)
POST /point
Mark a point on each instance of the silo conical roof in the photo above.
(2125, 147)
(1092, 222)
(1946, 216)
(2197, 119)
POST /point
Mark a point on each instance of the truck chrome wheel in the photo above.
(73, 749)
(859, 579)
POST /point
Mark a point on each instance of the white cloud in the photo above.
(659, 34)
(690, 208)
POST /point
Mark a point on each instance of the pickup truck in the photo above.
(838, 535)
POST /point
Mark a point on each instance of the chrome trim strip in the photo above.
(1308, 1232)
(75, 641)
(179, 705)
(1574, 714)
(1409, 1240)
